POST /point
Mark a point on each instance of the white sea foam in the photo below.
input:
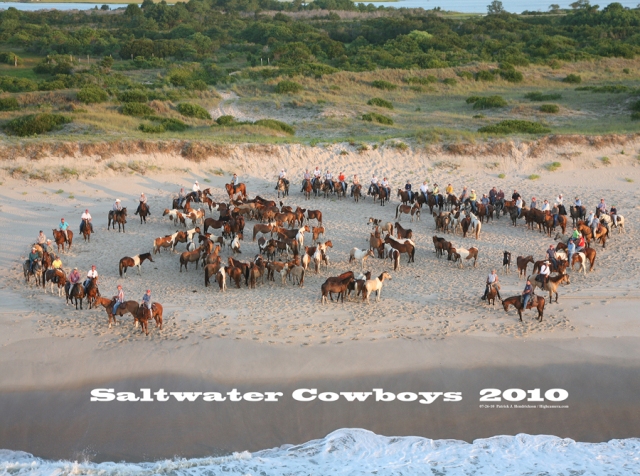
(359, 452)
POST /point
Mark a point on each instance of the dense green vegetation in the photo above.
(35, 124)
(193, 110)
(515, 126)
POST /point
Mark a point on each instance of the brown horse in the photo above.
(314, 214)
(59, 238)
(357, 192)
(190, 257)
(234, 274)
(54, 276)
(36, 273)
(74, 293)
(144, 314)
(522, 263)
(338, 285)
(552, 284)
(86, 230)
(494, 290)
(92, 292)
(108, 306)
(143, 211)
(307, 188)
(239, 189)
(403, 233)
(516, 301)
(130, 262)
(404, 197)
(406, 247)
(119, 217)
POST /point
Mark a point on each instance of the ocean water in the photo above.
(361, 452)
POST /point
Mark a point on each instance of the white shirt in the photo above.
(328, 176)
(519, 203)
(92, 273)
(374, 180)
(544, 269)
(546, 207)
(196, 187)
(283, 174)
(559, 201)
(86, 216)
(385, 183)
(492, 278)
(317, 173)
(424, 188)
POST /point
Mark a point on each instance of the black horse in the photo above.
(74, 293)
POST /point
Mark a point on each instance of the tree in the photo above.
(495, 7)
(106, 63)
(580, 4)
(554, 8)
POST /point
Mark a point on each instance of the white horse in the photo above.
(300, 238)
(360, 255)
(583, 262)
(190, 234)
(235, 244)
(372, 285)
(619, 223)
(475, 225)
(466, 254)
(221, 278)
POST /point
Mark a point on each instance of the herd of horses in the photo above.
(281, 231)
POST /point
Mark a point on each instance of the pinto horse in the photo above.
(119, 217)
(143, 211)
(516, 301)
(406, 247)
(130, 262)
(239, 189)
(60, 239)
(54, 276)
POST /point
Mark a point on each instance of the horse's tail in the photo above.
(397, 211)
(247, 271)
(302, 277)
(413, 253)
(206, 276)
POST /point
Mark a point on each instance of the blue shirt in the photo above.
(63, 226)
(527, 289)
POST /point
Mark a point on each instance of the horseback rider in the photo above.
(559, 200)
(519, 205)
(33, 257)
(515, 195)
(545, 206)
(42, 239)
(93, 273)
(195, 191)
(182, 197)
(74, 277)
(86, 218)
(343, 184)
(283, 177)
(436, 194)
(527, 294)
(613, 213)
(578, 203)
(473, 201)
(143, 199)
(571, 249)
(317, 173)
(492, 280)
(493, 194)
(306, 178)
(551, 253)
(385, 184)
(235, 182)
(500, 196)
(424, 190)
(464, 196)
(449, 190)
(407, 188)
(485, 201)
(119, 299)
(354, 183)
(373, 187)
(602, 207)
(63, 227)
(580, 246)
(55, 265)
(544, 273)
(534, 203)
(146, 299)
(329, 180)
(117, 207)
(555, 211)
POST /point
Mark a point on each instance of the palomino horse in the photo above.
(86, 229)
(143, 212)
(516, 301)
(119, 217)
(282, 187)
(54, 276)
(60, 239)
(552, 284)
(372, 285)
(136, 261)
(36, 273)
(74, 293)
(239, 189)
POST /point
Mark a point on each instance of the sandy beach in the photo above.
(430, 329)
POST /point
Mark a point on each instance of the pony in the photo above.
(296, 273)
(337, 284)
(119, 217)
(465, 254)
(523, 262)
(372, 285)
(406, 247)
(54, 276)
(360, 255)
(402, 233)
(190, 257)
(552, 284)
(143, 315)
(130, 262)
(143, 212)
(506, 262)
(406, 209)
(86, 229)
(36, 273)
(282, 187)
(74, 293)
(314, 214)
(239, 189)
(60, 239)
(221, 278)
(357, 192)
(516, 301)
(476, 224)
(307, 188)
(494, 290)
(92, 292)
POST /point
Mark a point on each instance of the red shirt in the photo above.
(341, 177)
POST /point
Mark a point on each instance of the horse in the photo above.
(307, 188)
(86, 229)
(36, 273)
(522, 263)
(54, 276)
(577, 213)
(130, 262)
(263, 229)
(60, 239)
(119, 217)
(619, 224)
(406, 247)
(506, 262)
(588, 254)
(282, 187)
(143, 211)
(239, 189)
(516, 301)
(476, 225)
(211, 269)
(337, 284)
(402, 233)
(551, 285)
(221, 279)
(74, 293)
(494, 290)
(296, 273)
(357, 192)
(144, 314)
(404, 197)
(360, 255)
(314, 214)
(465, 254)
(92, 292)
(108, 306)
(406, 209)
(256, 271)
(383, 195)
(372, 285)
(190, 257)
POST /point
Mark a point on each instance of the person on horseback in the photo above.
(63, 227)
(534, 203)
(195, 191)
(544, 274)
(493, 194)
(485, 201)
(74, 277)
(602, 207)
(546, 207)
(474, 202)
(42, 239)
(559, 200)
(424, 190)
(119, 299)
(591, 218)
(555, 211)
(182, 197)
(407, 188)
(581, 244)
(329, 180)
(355, 182)
(613, 213)
(343, 184)
(527, 294)
(436, 193)
(306, 177)
(373, 187)
(551, 253)
(93, 273)
(146, 299)
(283, 177)
(464, 196)
(500, 196)
(86, 218)
(317, 173)
(33, 257)
(578, 203)
(55, 265)
(47, 247)
(515, 195)
(571, 249)
(519, 205)
(492, 280)
(385, 184)
(235, 182)
(449, 190)
(117, 206)
(143, 199)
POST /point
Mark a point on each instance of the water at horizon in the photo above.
(359, 452)
(467, 6)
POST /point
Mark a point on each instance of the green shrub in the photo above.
(484, 75)
(549, 108)
(17, 85)
(635, 116)
(380, 103)
(226, 120)
(174, 125)
(424, 81)
(512, 126)
(193, 110)
(615, 89)
(501, 175)
(489, 102)
(198, 85)
(9, 104)
(538, 96)
(572, 79)
(152, 128)
(10, 58)
(553, 166)
(276, 125)
(449, 81)
(379, 118)
(133, 95)
(533, 177)
(92, 95)
(635, 106)
(286, 87)
(511, 75)
(465, 74)
(381, 84)
(35, 124)
(472, 99)
(136, 109)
